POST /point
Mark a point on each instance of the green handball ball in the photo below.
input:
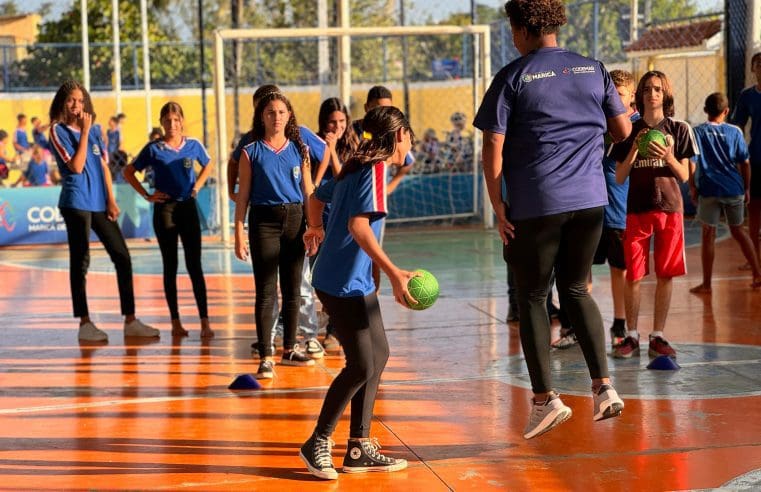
(651, 136)
(424, 289)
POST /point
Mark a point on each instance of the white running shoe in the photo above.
(137, 328)
(91, 333)
(607, 403)
(546, 416)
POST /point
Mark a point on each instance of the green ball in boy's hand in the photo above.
(424, 289)
(651, 136)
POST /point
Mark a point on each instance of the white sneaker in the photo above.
(607, 403)
(90, 333)
(546, 416)
(137, 328)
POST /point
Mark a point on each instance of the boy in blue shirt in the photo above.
(720, 182)
(20, 138)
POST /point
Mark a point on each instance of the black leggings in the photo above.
(567, 242)
(275, 238)
(78, 226)
(173, 220)
(359, 327)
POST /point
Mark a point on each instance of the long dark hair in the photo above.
(668, 93)
(292, 132)
(58, 105)
(378, 139)
(348, 142)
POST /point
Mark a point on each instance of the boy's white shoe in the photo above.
(137, 328)
(90, 333)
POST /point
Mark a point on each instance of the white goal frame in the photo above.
(481, 79)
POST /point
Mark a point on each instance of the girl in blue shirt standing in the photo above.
(344, 283)
(270, 175)
(175, 213)
(87, 202)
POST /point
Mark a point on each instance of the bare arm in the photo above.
(619, 127)
(77, 162)
(359, 227)
(232, 177)
(744, 168)
(112, 209)
(202, 177)
(315, 232)
(624, 168)
(401, 173)
(241, 206)
(492, 157)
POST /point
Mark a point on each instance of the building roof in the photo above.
(688, 35)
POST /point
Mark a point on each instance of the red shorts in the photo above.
(668, 229)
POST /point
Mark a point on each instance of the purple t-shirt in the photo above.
(552, 106)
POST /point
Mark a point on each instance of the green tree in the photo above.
(48, 65)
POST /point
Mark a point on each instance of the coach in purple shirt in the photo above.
(543, 120)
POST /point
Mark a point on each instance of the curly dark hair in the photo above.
(539, 17)
(59, 101)
(348, 142)
(292, 132)
(380, 126)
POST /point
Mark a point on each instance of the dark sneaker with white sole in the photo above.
(295, 357)
(316, 455)
(266, 370)
(363, 455)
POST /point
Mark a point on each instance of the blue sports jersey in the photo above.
(315, 145)
(114, 140)
(722, 147)
(275, 174)
(614, 216)
(173, 168)
(343, 269)
(37, 173)
(749, 106)
(40, 139)
(552, 106)
(85, 190)
(22, 139)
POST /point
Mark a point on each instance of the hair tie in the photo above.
(367, 135)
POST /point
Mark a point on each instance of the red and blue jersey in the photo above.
(343, 269)
(173, 171)
(85, 190)
(275, 173)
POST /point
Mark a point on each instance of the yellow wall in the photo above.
(431, 105)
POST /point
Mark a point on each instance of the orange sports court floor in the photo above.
(454, 398)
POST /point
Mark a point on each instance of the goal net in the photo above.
(437, 75)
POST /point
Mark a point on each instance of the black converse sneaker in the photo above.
(295, 357)
(315, 453)
(362, 456)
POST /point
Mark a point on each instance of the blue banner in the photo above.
(31, 215)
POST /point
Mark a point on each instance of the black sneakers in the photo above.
(315, 453)
(362, 455)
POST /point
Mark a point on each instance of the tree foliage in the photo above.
(58, 55)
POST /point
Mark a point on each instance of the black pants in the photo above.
(78, 226)
(173, 221)
(275, 238)
(567, 242)
(359, 327)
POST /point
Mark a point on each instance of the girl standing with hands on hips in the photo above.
(175, 213)
(87, 202)
(343, 280)
(271, 175)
